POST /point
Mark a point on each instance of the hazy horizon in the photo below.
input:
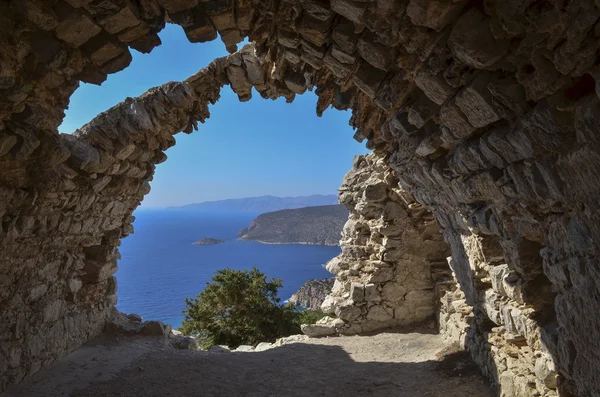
(240, 198)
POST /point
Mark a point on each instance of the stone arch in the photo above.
(485, 111)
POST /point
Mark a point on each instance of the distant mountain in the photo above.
(262, 203)
(312, 225)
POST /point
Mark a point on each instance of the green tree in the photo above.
(239, 307)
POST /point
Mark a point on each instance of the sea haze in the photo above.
(160, 265)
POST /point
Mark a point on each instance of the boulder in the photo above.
(183, 342)
(155, 328)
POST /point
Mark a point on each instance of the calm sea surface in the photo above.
(160, 266)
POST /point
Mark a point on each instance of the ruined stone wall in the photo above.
(392, 251)
(61, 229)
(487, 111)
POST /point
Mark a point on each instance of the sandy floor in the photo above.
(402, 365)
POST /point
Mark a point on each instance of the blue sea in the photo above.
(160, 265)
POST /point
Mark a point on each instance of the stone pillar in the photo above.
(389, 245)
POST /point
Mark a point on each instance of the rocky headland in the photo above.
(209, 241)
(320, 225)
(312, 294)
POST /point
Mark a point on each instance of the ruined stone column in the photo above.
(392, 250)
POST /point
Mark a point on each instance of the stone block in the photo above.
(347, 312)
(293, 56)
(498, 140)
(314, 30)
(100, 184)
(288, 38)
(342, 56)
(184, 342)
(508, 98)
(401, 124)
(155, 328)
(124, 19)
(430, 144)
(393, 292)
(38, 12)
(183, 18)
(177, 5)
(239, 82)
(295, 82)
(203, 29)
(376, 54)
(368, 78)
(77, 29)
(372, 293)
(379, 313)
(134, 33)
(357, 292)
(435, 14)
(244, 17)
(317, 9)
(224, 21)
(344, 36)
(254, 71)
(587, 127)
(53, 311)
(231, 38)
(392, 94)
(421, 111)
(472, 42)
(434, 86)
(7, 142)
(381, 275)
(453, 118)
(339, 69)
(475, 101)
(317, 330)
(146, 43)
(318, 52)
(352, 10)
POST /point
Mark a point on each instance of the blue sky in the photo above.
(245, 149)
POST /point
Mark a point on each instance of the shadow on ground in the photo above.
(390, 365)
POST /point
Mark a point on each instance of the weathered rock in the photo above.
(183, 342)
(244, 348)
(262, 346)
(155, 328)
(121, 323)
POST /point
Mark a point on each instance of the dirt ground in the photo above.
(388, 364)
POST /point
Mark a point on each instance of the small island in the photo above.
(209, 241)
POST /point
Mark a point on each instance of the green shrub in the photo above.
(239, 307)
(309, 316)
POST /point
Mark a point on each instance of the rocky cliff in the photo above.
(483, 116)
(311, 225)
(312, 293)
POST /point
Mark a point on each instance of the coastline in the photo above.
(280, 243)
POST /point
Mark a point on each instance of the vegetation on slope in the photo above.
(241, 307)
(312, 225)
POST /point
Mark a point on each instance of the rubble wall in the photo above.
(392, 255)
